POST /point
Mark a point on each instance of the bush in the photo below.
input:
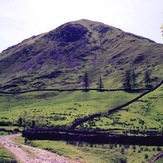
(7, 123)
(121, 160)
(122, 150)
(146, 156)
(159, 149)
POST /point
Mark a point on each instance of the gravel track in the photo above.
(27, 154)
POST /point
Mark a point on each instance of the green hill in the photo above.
(59, 58)
(144, 116)
(57, 108)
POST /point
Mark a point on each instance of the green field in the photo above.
(54, 108)
(58, 108)
(146, 114)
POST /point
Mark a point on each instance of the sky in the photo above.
(21, 19)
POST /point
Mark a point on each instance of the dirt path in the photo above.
(27, 154)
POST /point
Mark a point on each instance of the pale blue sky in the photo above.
(20, 19)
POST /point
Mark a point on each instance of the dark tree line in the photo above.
(87, 82)
(130, 80)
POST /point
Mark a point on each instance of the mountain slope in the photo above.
(142, 116)
(59, 58)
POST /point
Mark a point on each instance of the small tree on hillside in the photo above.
(133, 79)
(129, 81)
(86, 80)
(147, 79)
(100, 84)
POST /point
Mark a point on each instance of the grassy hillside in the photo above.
(59, 58)
(146, 114)
(58, 108)
(54, 108)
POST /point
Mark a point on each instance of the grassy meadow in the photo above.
(146, 114)
(58, 108)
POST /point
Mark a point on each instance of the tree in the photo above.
(133, 79)
(129, 81)
(20, 122)
(100, 84)
(147, 78)
(86, 80)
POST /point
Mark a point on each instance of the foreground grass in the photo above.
(58, 108)
(83, 154)
(6, 156)
(111, 153)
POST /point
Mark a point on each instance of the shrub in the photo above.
(158, 149)
(146, 156)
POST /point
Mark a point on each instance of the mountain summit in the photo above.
(59, 58)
